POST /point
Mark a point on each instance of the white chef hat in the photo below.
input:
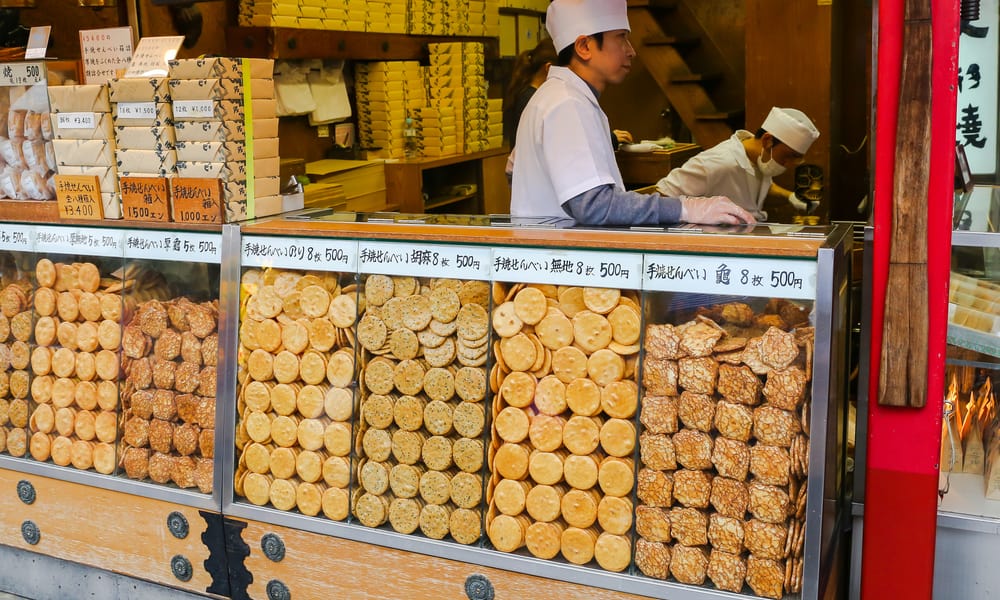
(567, 20)
(792, 127)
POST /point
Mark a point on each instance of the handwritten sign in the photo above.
(425, 260)
(174, 245)
(145, 198)
(978, 63)
(732, 275)
(568, 267)
(300, 253)
(79, 197)
(29, 73)
(151, 56)
(38, 42)
(16, 237)
(196, 200)
(88, 241)
(105, 53)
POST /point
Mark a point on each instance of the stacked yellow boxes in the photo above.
(227, 128)
(269, 13)
(457, 76)
(389, 93)
(484, 18)
(144, 127)
(386, 16)
(438, 131)
(494, 123)
(83, 133)
(429, 17)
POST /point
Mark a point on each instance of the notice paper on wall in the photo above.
(151, 56)
(105, 53)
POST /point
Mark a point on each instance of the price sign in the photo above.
(761, 277)
(196, 200)
(31, 73)
(568, 267)
(38, 42)
(174, 245)
(424, 260)
(136, 110)
(105, 52)
(151, 56)
(145, 198)
(79, 197)
(316, 254)
(90, 241)
(16, 237)
(191, 109)
(76, 120)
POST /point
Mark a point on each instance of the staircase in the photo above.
(687, 91)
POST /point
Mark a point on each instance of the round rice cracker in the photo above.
(474, 292)
(571, 301)
(473, 322)
(378, 289)
(555, 330)
(443, 329)
(601, 300)
(442, 356)
(445, 304)
(591, 331)
(470, 384)
(343, 311)
(530, 305)
(404, 286)
(519, 352)
(416, 313)
(506, 322)
(625, 325)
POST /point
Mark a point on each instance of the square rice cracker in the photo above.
(659, 414)
(785, 388)
(700, 338)
(689, 565)
(739, 384)
(765, 540)
(727, 571)
(693, 449)
(766, 577)
(652, 558)
(657, 451)
(697, 374)
(774, 426)
(770, 465)
(692, 488)
(689, 526)
(696, 411)
(734, 421)
(730, 497)
(659, 376)
(731, 458)
(655, 488)
(663, 341)
(726, 533)
(768, 502)
(653, 523)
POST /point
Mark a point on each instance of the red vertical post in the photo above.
(904, 443)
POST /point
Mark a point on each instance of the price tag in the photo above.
(38, 42)
(76, 120)
(196, 200)
(568, 267)
(145, 198)
(180, 246)
(424, 260)
(105, 52)
(31, 73)
(193, 108)
(317, 254)
(761, 277)
(16, 237)
(137, 110)
(151, 56)
(79, 197)
(90, 241)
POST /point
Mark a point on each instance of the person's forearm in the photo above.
(606, 205)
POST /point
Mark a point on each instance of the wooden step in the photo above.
(661, 4)
(722, 115)
(684, 42)
(700, 78)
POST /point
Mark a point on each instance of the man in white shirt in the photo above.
(564, 164)
(742, 167)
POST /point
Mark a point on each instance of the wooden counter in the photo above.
(646, 168)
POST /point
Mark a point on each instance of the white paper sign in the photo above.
(317, 254)
(136, 110)
(38, 42)
(976, 129)
(151, 56)
(424, 260)
(16, 237)
(620, 270)
(31, 73)
(104, 53)
(193, 108)
(174, 245)
(731, 275)
(76, 120)
(79, 240)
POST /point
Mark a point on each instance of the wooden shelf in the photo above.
(279, 42)
(439, 202)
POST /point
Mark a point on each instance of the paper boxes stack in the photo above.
(84, 144)
(226, 128)
(484, 18)
(388, 93)
(494, 123)
(457, 77)
(386, 16)
(337, 15)
(430, 17)
(144, 127)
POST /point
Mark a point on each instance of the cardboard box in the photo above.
(235, 171)
(102, 129)
(84, 153)
(140, 89)
(145, 138)
(79, 98)
(207, 68)
(265, 147)
(211, 151)
(146, 161)
(211, 131)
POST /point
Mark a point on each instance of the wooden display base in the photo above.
(34, 211)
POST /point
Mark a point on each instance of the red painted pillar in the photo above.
(904, 443)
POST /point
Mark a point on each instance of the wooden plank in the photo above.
(903, 374)
(493, 185)
(104, 529)
(317, 566)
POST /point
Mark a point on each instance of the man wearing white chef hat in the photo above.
(563, 164)
(743, 166)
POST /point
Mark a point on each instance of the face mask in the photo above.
(771, 168)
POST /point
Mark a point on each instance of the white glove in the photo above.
(796, 203)
(713, 210)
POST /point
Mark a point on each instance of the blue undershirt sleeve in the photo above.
(606, 205)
